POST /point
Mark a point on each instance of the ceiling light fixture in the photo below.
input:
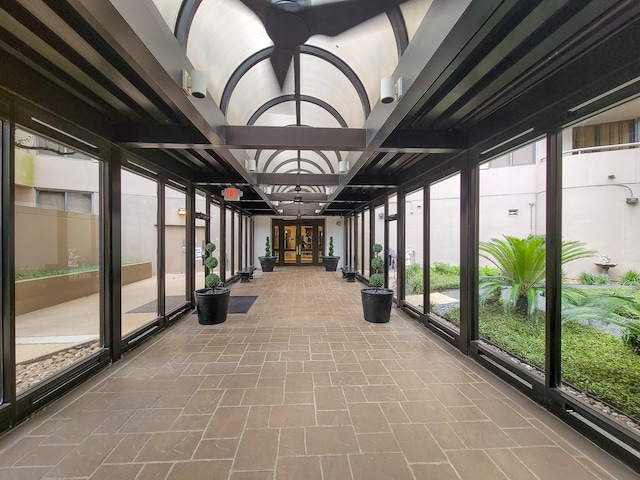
(390, 90)
(194, 84)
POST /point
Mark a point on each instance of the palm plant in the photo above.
(521, 265)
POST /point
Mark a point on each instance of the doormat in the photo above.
(237, 304)
(240, 304)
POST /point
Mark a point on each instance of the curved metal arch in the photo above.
(345, 69)
(396, 19)
(292, 98)
(329, 57)
(296, 159)
(186, 13)
(278, 152)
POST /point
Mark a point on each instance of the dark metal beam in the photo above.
(157, 135)
(288, 179)
(433, 140)
(186, 13)
(399, 29)
(302, 138)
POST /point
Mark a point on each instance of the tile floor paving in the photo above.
(300, 387)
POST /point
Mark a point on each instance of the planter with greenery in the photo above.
(330, 262)
(376, 300)
(212, 302)
(268, 261)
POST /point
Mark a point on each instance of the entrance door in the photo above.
(301, 242)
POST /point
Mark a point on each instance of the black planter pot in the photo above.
(212, 305)
(330, 263)
(376, 304)
(267, 263)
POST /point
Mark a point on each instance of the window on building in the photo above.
(603, 134)
(521, 156)
(79, 202)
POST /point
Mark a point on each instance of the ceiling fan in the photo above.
(290, 23)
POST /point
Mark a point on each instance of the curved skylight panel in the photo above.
(413, 13)
(269, 162)
(290, 165)
(257, 87)
(169, 10)
(326, 164)
(315, 116)
(322, 80)
(369, 49)
(279, 115)
(223, 34)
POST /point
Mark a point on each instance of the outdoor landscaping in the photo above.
(601, 319)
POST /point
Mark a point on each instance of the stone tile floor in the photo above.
(301, 387)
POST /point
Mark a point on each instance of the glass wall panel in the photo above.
(392, 256)
(601, 290)
(201, 226)
(139, 251)
(175, 232)
(393, 204)
(378, 233)
(214, 233)
(352, 241)
(57, 261)
(228, 218)
(444, 246)
(414, 256)
(358, 255)
(366, 247)
(236, 243)
(512, 257)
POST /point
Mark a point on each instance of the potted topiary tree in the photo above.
(329, 261)
(376, 300)
(212, 302)
(268, 261)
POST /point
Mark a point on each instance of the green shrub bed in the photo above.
(593, 361)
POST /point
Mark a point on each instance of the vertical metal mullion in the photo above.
(190, 250)
(469, 208)
(222, 261)
(554, 263)
(426, 246)
(242, 242)
(385, 250)
(7, 224)
(160, 253)
(111, 262)
(232, 258)
(400, 245)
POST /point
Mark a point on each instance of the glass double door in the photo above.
(299, 242)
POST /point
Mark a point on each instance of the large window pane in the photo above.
(201, 225)
(236, 243)
(366, 258)
(139, 251)
(444, 249)
(228, 242)
(512, 257)
(175, 249)
(601, 292)
(414, 258)
(214, 234)
(57, 260)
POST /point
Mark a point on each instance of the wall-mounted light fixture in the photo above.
(318, 210)
(267, 189)
(250, 164)
(390, 89)
(280, 211)
(275, 203)
(328, 190)
(182, 211)
(321, 204)
(194, 83)
(513, 212)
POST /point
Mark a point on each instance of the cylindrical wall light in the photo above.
(387, 90)
(343, 166)
(198, 84)
(251, 165)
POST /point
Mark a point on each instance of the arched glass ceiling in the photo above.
(339, 77)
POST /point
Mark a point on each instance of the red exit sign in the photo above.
(231, 194)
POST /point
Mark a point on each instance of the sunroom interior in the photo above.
(452, 133)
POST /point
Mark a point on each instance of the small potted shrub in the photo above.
(212, 302)
(330, 262)
(376, 300)
(268, 261)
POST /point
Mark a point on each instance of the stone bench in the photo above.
(246, 274)
(349, 273)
